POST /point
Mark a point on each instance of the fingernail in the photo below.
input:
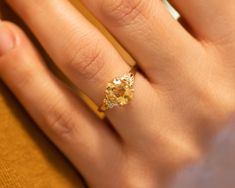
(6, 39)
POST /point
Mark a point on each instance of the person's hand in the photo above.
(183, 94)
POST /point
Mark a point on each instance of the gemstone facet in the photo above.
(119, 91)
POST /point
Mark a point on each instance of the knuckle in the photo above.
(60, 122)
(123, 12)
(86, 60)
(26, 72)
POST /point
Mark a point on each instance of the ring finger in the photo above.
(82, 52)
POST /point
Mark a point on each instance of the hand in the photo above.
(184, 93)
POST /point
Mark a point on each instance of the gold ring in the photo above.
(120, 91)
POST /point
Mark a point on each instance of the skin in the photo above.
(184, 98)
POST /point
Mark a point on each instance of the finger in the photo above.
(210, 20)
(58, 112)
(83, 54)
(75, 45)
(146, 29)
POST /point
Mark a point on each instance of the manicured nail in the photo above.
(6, 39)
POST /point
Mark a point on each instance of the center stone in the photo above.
(119, 92)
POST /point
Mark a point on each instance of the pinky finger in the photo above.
(56, 109)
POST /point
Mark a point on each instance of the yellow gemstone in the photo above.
(119, 92)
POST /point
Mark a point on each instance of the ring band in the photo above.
(119, 91)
